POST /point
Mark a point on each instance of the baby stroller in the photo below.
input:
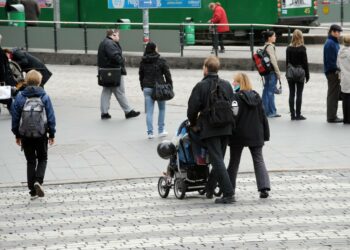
(188, 168)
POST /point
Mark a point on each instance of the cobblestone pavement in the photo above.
(307, 209)
(88, 149)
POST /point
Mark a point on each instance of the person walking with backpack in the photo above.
(331, 70)
(270, 80)
(296, 61)
(153, 69)
(110, 56)
(252, 130)
(209, 111)
(34, 125)
(343, 63)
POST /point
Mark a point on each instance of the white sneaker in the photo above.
(163, 134)
(150, 136)
(39, 189)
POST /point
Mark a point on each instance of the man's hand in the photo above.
(19, 141)
(51, 141)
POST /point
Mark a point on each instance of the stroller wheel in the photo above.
(163, 187)
(180, 188)
(217, 191)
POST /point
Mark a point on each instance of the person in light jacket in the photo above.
(343, 62)
(268, 95)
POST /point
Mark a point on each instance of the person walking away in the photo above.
(33, 118)
(344, 66)
(270, 80)
(297, 57)
(252, 129)
(214, 137)
(32, 11)
(110, 55)
(29, 62)
(330, 54)
(153, 68)
(219, 17)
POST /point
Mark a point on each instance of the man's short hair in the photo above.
(110, 32)
(33, 78)
(212, 63)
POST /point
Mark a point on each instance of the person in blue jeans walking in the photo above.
(153, 68)
(268, 95)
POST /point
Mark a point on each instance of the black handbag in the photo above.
(163, 92)
(295, 73)
(109, 77)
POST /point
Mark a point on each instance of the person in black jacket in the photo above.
(296, 56)
(252, 129)
(28, 62)
(153, 69)
(215, 139)
(110, 55)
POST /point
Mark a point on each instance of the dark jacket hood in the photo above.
(33, 91)
(250, 97)
(150, 58)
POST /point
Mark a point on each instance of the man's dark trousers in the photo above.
(216, 149)
(332, 95)
(35, 151)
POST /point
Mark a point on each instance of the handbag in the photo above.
(109, 77)
(278, 90)
(295, 73)
(163, 92)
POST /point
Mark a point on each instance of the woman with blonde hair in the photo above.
(296, 57)
(252, 130)
(344, 66)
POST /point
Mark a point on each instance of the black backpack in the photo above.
(219, 111)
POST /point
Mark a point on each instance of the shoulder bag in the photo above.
(162, 91)
(109, 77)
(295, 73)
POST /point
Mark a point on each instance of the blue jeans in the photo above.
(149, 102)
(268, 95)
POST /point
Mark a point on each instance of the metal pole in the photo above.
(288, 39)
(145, 19)
(85, 38)
(26, 36)
(57, 13)
(216, 40)
(182, 40)
(252, 42)
(55, 37)
(341, 12)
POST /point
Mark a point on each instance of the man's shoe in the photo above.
(132, 114)
(39, 189)
(225, 200)
(105, 116)
(163, 134)
(300, 118)
(209, 194)
(264, 194)
(222, 51)
(292, 117)
(274, 116)
(336, 120)
(150, 136)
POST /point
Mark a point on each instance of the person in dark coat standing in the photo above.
(219, 17)
(252, 129)
(28, 62)
(296, 56)
(330, 54)
(110, 55)
(215, 139)
(32, 11)
(153, 68)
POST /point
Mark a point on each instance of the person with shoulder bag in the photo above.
(154, 74)
(252, 130)
(297, 73)
(111, 73)
(344, 66)
(270, 80)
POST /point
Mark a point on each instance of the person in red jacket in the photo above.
(219, 17)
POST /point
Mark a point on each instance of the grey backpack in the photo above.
(33, 122)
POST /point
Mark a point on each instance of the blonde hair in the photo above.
(243, 80)
(212, 63)
(346, 40)
(297, 38)
(33, 78)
